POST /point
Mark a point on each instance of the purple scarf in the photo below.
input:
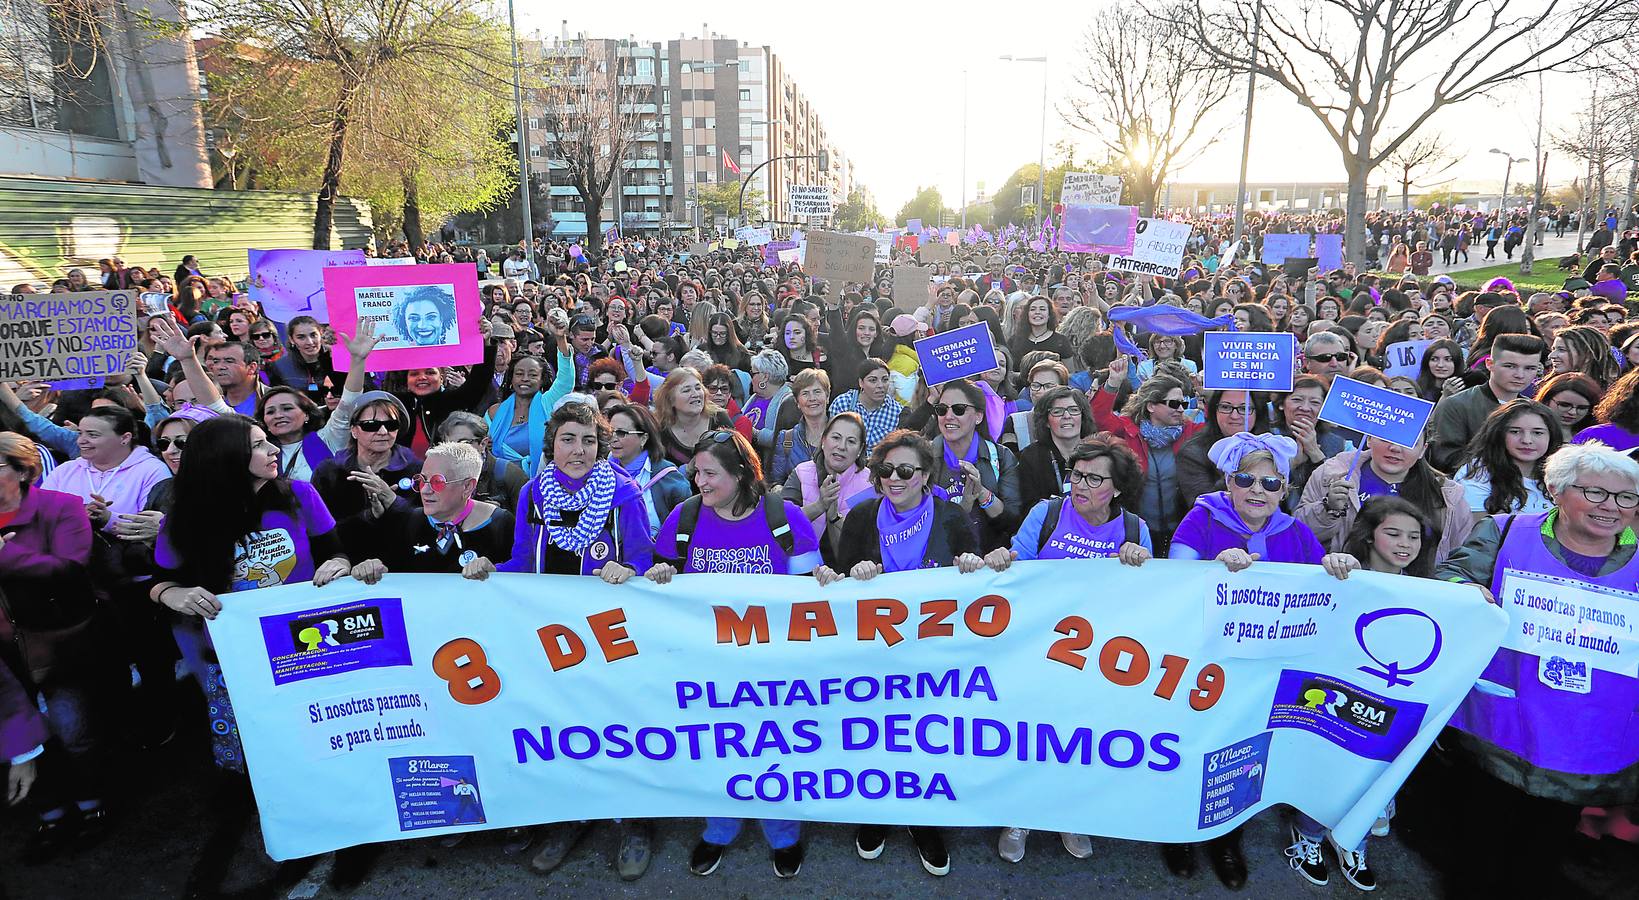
(953, 469)
(904, 536)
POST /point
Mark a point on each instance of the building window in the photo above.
(745, 66)
(645, 67)
(685, 68)
(688, 149)
(534, 122)
(745, 95)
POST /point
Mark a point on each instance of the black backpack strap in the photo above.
(779, 524)
(1130, 522)
(687, 520)
(1049, 522)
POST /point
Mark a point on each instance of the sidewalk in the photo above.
(1549, 254)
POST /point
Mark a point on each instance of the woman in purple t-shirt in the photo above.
(729, 528)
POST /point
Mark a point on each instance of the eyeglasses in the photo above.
(1623, 499)
(1328, 357)
(1063, 412)
(1175, 403)
(1091, 479)
(470, 442)
(1043, 385)
(1274, 484)
(1578, 408)
(1236, 411)
(371, 426)
(437, 482)
(960, 409)
(903, 471)
(164, 444)
(622, 434)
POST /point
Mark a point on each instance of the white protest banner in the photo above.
(1404, 358)
(810, 200)
(884, 244)
(427, 705)
(1089, 188)
(754, 237)
(389, 260)
(840, 258)
(1584, 625)
(1158, 249)
(910, 285)
(60, 337)
(290, 283)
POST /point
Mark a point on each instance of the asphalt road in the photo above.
(163, 820)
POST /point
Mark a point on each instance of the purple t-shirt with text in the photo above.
(745, 547)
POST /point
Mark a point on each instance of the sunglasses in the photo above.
(438, 482)
(263, 336)
(960, 409)
(1328, 357)
(903, 471)
(606, 385)
(713, 437)
(1175, 404)
(621, 434)
(1274, 484)
(371, 426)
(164, 444)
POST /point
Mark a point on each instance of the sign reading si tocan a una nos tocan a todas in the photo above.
(932, 697)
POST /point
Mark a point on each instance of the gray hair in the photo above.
(464, 459)
(461, 418)
(698, 360)
(1593, 458)
(1323, 337)
(771, 364)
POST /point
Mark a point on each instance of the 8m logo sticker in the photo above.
(312, 643)
(312, 633)
(1359, 721)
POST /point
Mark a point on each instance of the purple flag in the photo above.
(1161, 319)
(1099, 229)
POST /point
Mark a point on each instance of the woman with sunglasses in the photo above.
(1237, 527)
(731, 528)
(1154, 424)
(637, 449)
(902, 529)
(977, 474)
(359, 483)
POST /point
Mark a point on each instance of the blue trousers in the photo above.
(780, 833)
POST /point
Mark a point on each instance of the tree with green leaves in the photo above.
(722, 198)
(927, 205)
(857, 213)
(363, 59)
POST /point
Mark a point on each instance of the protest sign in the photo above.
(771, 251)
(59, 337)
(935, 252)
(910, 285)
(966, 352)
(913, 226)
(840, 258)
(153, 303)
(810, 200)
(1158, 249)
(1376, 411)
(1329, 252)
(1254, 361)
(884, 245)
(290, 283)
(754, 237)
(1586, 625)
(425, 315)
(389, 261)
(1404, 358)
(1277, 247)
(1296, 268)
(962, 700)
(1098, 229)
(1090, 188)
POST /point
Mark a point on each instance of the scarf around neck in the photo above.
(594, 498)
(1159, 436)
(904, 536)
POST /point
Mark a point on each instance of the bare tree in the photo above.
(593, 122)
(1366, 69)
(1145, 91)
(1424, 157)
(1601, 138)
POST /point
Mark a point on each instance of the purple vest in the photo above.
(1593, 733)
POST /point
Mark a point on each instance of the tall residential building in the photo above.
(721, 109)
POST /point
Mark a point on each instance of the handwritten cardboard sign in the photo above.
(964, 353)
(1158, 249)
(427, 316)
(840, 258)
(935, 252)
(1404, 358)
(1085, 188)
(61, 337)
(910, 285)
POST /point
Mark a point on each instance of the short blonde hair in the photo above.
(807, 378)
(464, 459)
(21, 454)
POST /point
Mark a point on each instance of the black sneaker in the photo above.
(930, 846)
(788, 860)
(1180, 859)
(514, 840)
(1228, 862)
(1305, 859)
(706, 857)
(1353, 864)
(49, 838)
(868, 841)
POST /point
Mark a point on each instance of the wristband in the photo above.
(989, 501)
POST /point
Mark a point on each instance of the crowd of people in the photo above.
(653, 413)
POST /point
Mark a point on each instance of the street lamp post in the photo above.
(1246, 133)
(1507, 176)
(1041, 164)
(523, 143)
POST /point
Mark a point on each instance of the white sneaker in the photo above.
(1354, 867)
(1380, 828)
(1010, 846)
(1078, 845)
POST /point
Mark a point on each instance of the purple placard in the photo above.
(330, 640)
(1359, 721)
(1099, 229)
